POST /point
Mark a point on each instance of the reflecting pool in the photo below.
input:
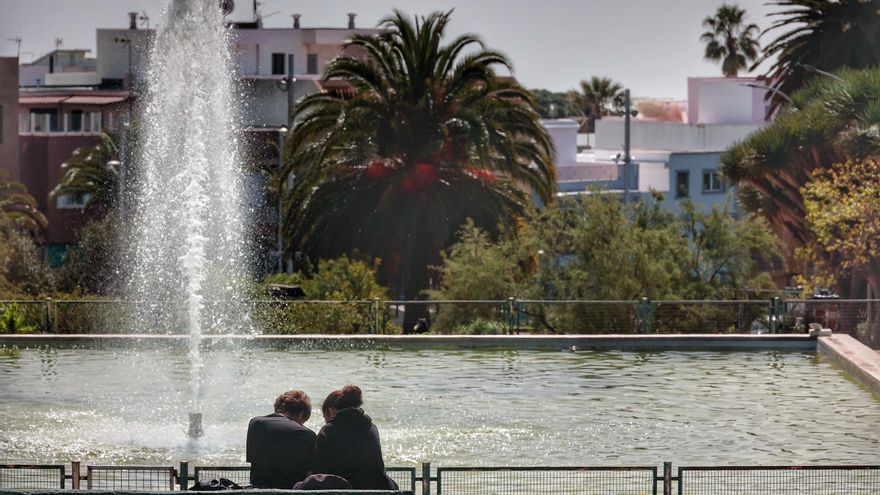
(449, 407)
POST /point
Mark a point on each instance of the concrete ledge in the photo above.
(859, 360)
(242, 492)
(695, 342)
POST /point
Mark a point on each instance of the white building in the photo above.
(680, 160)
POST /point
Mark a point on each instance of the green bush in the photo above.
(13, 320)
(482, 327)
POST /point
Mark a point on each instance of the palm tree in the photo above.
(19, 209)
(92, 171)
(819, 34)
(598, 97)
(837, 119)
(427, 135)
(728, 41)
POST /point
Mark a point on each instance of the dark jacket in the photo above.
(280, 451)
(348, 446)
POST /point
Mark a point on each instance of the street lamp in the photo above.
(282, 131)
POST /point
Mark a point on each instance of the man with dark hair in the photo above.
(279, 447)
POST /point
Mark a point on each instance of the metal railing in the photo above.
(32, 476)
(568, 480)
(639, 480)
(858, 317)
(137, 478)
(779, 480)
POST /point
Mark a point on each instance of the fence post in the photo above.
(50, 319)
(510, 316)
(426, 478)
(378, 309)
(74, 475)
(183, 478)
(775, 317)
(667, 478)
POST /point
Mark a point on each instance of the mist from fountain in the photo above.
(189, 236)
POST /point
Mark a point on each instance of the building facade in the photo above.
(9, 153)
(66, 100)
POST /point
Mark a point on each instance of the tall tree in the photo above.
(427, 136)
(598, 97)
(729, 40)
(819, 34)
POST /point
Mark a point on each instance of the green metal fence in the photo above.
(640, 480)
(858, 317)
(779, 480)
(566, 480)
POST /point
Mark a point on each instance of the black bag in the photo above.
(323, 482)
(215, 484)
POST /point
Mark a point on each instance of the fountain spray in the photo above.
(189, 224)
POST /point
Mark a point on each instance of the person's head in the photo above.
(294, 404)
(329, 407)
(350, 396)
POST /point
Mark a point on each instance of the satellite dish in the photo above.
(227, 6)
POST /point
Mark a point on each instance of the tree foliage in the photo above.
(554, 105)
(729, 40)
(597, 248)
(427, 136)
(597, 98)
(828, 35)
(18, 209)
(836, 120)
(92, 171)
(843, 213)
(341, 279)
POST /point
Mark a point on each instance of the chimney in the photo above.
(132, 20)
(351, 16)
(296, 20)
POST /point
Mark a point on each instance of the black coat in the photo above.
(280, 451)
(348, 446)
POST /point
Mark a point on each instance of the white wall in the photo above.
(673, 136)
(112, 55)
(725, 100)
(563, 133)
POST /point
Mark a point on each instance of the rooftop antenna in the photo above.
(58, 42)
(145, 19)
(17, 41)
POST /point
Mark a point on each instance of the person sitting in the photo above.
(279, 447)
(328, 408)
(348, 445)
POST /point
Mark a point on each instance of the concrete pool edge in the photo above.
(857, 359)
(689, 342)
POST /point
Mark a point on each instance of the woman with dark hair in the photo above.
(348, 445)
(328, 408)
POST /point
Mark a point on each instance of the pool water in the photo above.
(449, 407)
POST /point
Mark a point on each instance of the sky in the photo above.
(649, 46)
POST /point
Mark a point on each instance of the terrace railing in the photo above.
(516, 480)
(858, 317)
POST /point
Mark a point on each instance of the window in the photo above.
(95, 122)
(712, 182)
(682, 189)
(312, 64)
(277, 63)
(72, 201)
(77, 119)
(45, 119)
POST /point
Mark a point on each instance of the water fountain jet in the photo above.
(188, 240)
